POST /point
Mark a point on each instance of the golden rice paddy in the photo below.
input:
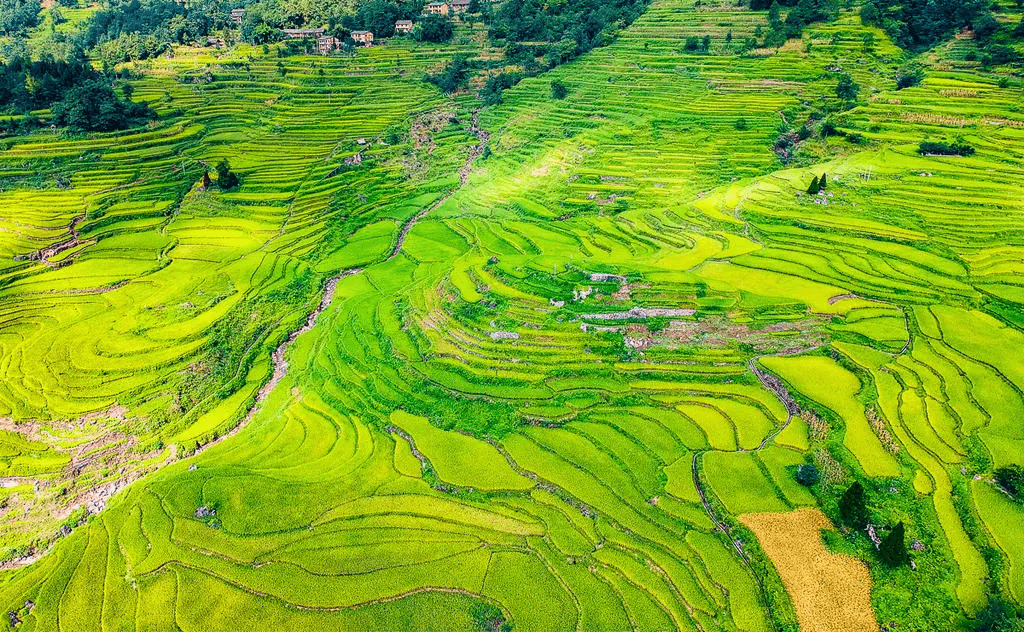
(831, 593)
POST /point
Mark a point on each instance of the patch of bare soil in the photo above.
(784, 337)
(426, 126)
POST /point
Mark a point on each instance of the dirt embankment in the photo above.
(482, 138)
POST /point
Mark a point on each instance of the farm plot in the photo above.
(499, 404)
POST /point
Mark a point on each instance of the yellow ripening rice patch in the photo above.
(831, 593)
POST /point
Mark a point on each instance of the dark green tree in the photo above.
(17, 16)
(815, 186)
(868, 14)
(999, 615)
(226, 178)
(893, 549)
(454, 76)
(558, 90)
(433, 28)
(1011, 478)
(847, 89)
(853, 507)
(823, 181)
(775, 15)
(92, 106)
(379, 17)
(807, 475)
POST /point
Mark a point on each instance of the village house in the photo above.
(437, 8)
(363, 37)
(459, 6)
(327, 44)
(236, 15)
(403, 27)
(303, 33)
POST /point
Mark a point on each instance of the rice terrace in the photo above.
(512, 315)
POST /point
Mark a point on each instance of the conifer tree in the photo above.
(853, 507)
(893, 550)
(823, 183)
(815, 186)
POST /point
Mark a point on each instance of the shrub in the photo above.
(741, 124)
(558, 90)
(489, 618)
(496, 84)
(808, 475)
(909, 75)
(957, 148)
(999, 615)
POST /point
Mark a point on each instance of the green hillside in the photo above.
(444, 364)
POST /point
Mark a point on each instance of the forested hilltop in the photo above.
(577, 314)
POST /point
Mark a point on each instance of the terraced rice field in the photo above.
(829, 591)
(548, 376)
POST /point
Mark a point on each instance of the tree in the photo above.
(807, 475)
(868, 14)
(893, 549)
(985, 26)
(847, 89)
(920, 24)
(705, 44)
(226, 178)
(18, 16)
(853, 507)
(909, 75)
(379, 17)
(558, 90)
(815, 186)
(999, 615)
(775, 15)
(823, 181)
(1011, 478)
(454, 76)
(92, 106)
(433, 28)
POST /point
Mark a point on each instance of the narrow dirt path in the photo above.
(278, 357)
(776, 386)
(482, 138)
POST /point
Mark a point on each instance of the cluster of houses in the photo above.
(442, 7)
(326, 44)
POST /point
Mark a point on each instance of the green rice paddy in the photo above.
(481, 418)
